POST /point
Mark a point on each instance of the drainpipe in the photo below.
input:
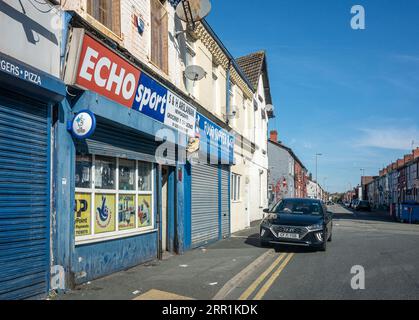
(228, 93)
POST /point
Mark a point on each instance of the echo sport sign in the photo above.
(101, 70)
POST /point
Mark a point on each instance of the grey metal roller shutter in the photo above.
(225, 201)
(205, 218)
(24, 198)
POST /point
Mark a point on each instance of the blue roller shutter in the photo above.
(24, 197)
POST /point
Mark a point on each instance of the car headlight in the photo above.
(316, 227)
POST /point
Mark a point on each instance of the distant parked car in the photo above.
(362, 206)
(354, 204)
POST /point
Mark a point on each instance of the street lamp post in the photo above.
(317, 180)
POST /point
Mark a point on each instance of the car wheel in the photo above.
(323, 248)
(330, 238)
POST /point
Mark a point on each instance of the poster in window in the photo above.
(82, 214)
(104, 213)
(145, 211)
(126, 212)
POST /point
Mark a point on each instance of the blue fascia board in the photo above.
(108, 109)
(19, 75)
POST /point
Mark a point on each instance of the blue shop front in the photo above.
(124, 184)
(27, 98)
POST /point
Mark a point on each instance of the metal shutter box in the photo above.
(205, 222)
(119, 141)
(225, 200)
(24, 198)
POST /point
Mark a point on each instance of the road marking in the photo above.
(246, 294)
(272, 279)
(239, 278)
(161, 295)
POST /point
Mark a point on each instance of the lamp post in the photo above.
(317, 181)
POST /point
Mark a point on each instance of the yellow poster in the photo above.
(145, 211)
(82, 214)
(126, 212)
(105, 213)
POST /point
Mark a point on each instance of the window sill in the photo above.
(106, 238)
(102, 28)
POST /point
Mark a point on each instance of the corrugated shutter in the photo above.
(205, 222)
(118, 141)
(225, 201)
(24, 198)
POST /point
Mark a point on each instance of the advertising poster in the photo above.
(126, 212)
(145, 211)
(104, 213)
(82, 214)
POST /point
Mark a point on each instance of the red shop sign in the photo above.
(106, 73)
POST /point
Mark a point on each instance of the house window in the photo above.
(107, 12)
(114, 198)
(235, 187)
(159, 35)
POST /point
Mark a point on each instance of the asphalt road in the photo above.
(238, 268)
(388, 252)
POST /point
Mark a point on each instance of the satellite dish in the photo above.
(195, 73)
(192, 11)
(270, 108)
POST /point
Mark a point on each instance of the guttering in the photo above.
(228, 93)
(227, 53)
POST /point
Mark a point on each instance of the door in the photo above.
(205, 222)
(164, 204)
(24, 197)
(225, 200)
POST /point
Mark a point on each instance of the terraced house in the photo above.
(157, 138)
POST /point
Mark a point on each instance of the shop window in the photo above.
(105, 173)
(107, 12)
(83, 172)
(159, 35)
(118, 204)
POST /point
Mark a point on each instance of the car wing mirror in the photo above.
(266, 210)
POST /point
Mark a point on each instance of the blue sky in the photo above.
(351, 95)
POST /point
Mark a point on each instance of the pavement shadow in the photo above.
(254, 240)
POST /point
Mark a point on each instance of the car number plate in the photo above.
(289, 235)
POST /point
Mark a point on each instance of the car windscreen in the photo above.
(298, 207)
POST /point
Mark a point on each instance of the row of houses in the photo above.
(398, 183)
(288, 177)
(125, 134)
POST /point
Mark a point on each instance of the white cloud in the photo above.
(389, 138)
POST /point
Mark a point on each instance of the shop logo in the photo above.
(104, 214)
(104, 72)
(83, 125)
(151, 98)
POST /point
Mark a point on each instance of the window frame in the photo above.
(117, 234)
(113, 32)
(235, 188)
(165, 66)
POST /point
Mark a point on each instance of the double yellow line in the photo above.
(285, 259)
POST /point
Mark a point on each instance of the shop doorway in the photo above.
(164, 210)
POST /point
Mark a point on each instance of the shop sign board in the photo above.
(216, 137)
(92, 66)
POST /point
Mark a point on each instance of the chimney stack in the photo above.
(274, 136)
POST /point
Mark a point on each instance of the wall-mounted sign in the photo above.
(83, 124)
(92, 66)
